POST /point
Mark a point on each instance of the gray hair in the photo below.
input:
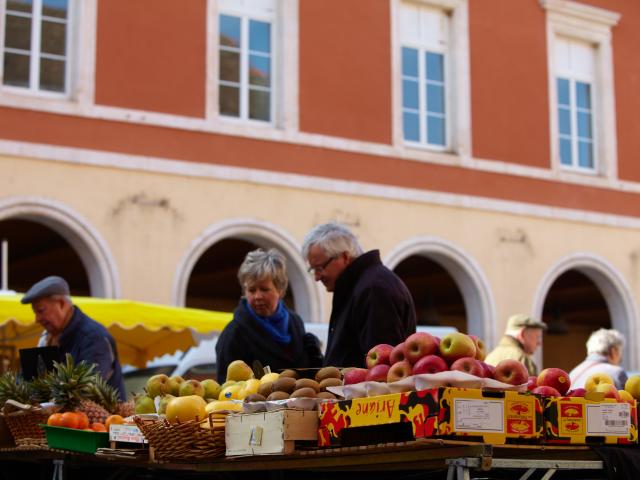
(334, 239)
(601, 341)
(260, 265)
(66, 298)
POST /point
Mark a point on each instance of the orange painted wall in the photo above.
(509, 85)
(151, 55)
(345, 68)
(202, 147)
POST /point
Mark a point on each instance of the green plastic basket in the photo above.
(75, 440)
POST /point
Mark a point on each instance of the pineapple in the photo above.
(70, 383)
(40, 391)
(14, 387)
(102, 401)
(126, 409)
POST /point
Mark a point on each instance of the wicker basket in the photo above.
(192, 440)
(25, 427)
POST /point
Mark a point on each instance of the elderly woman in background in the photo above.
(263, 328)
(604, 355)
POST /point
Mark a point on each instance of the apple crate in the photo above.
(497, 417)
(274, 432)
(578, 420)
(75, 440)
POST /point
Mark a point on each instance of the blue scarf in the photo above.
(277, 325)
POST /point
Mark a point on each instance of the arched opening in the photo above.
(36, 251)
(436, 296)
(573, 308)
(213, 284)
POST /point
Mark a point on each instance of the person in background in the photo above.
(371, 304)
(521, 339)
(604, 355)
(263, 328)
(67, 327)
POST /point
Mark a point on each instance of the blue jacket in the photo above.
(86, 339)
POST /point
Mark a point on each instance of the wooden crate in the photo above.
(276, 432)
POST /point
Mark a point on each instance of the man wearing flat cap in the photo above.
(67, 327)
(520, 341)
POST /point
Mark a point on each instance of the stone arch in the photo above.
(306, 293)
(614, 289)
(81, 235)
(465, 271)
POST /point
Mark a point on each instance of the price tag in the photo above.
(609, 419)
(126, 433)
(478, 415)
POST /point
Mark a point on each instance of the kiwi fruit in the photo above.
(290, 373)
(254, 397)
(307, 382)
(284, 384)
(278, 396)
(265, 389)
(327, 396)
(330, 382)
(304, 392)
(327, 372)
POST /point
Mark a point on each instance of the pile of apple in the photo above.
(422, 352)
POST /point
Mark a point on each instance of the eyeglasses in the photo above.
(320, 268)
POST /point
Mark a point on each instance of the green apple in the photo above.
(174, 385)
(211, 388)
(144, 404)
(158, 385)
(191, 387)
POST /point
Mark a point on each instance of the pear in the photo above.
(174, 385)
(269, 377)
(158, 385)
(191, 387)
(144, 404)
(239, 370)
(164, 401)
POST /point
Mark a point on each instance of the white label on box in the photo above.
(609, 419)
(126, 433)
(478, 415)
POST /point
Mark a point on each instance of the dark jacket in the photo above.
(371, 305)
(86, 339)
(245, 339)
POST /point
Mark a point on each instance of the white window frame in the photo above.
(583, 23)
(248, 10)
(457, 80)
(80, 68)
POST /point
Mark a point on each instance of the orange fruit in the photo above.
(98, 427)
(70, 420)
(113, 420)
(83, 420)
(55, 420)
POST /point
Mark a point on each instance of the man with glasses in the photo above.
(371, 304)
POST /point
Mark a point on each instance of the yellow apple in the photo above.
(251, 386)
(626, 396)
(597, 378)
(269, 377)
(632, 386)
(183, 409)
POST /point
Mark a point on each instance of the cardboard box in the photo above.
(497, 417)
(468, 414)
(275, 432)
(577, 420)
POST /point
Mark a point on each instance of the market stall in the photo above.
(142, 331)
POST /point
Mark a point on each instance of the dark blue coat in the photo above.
(86, 339)
(371, 305)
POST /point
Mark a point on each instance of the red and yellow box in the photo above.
(470, 414)
(577, 420)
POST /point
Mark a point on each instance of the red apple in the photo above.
(355, 375)
(378, 355)
(457, 345)
(556, 378)
(489, 370)
(511, 371)
(468, 365)
(532, 382)
(481, 348)
(397, 354)
(378, 373)
(576, 392)
(398, 371)
(546, 391)
(418, 345)
(430, 364)
(610, 391)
